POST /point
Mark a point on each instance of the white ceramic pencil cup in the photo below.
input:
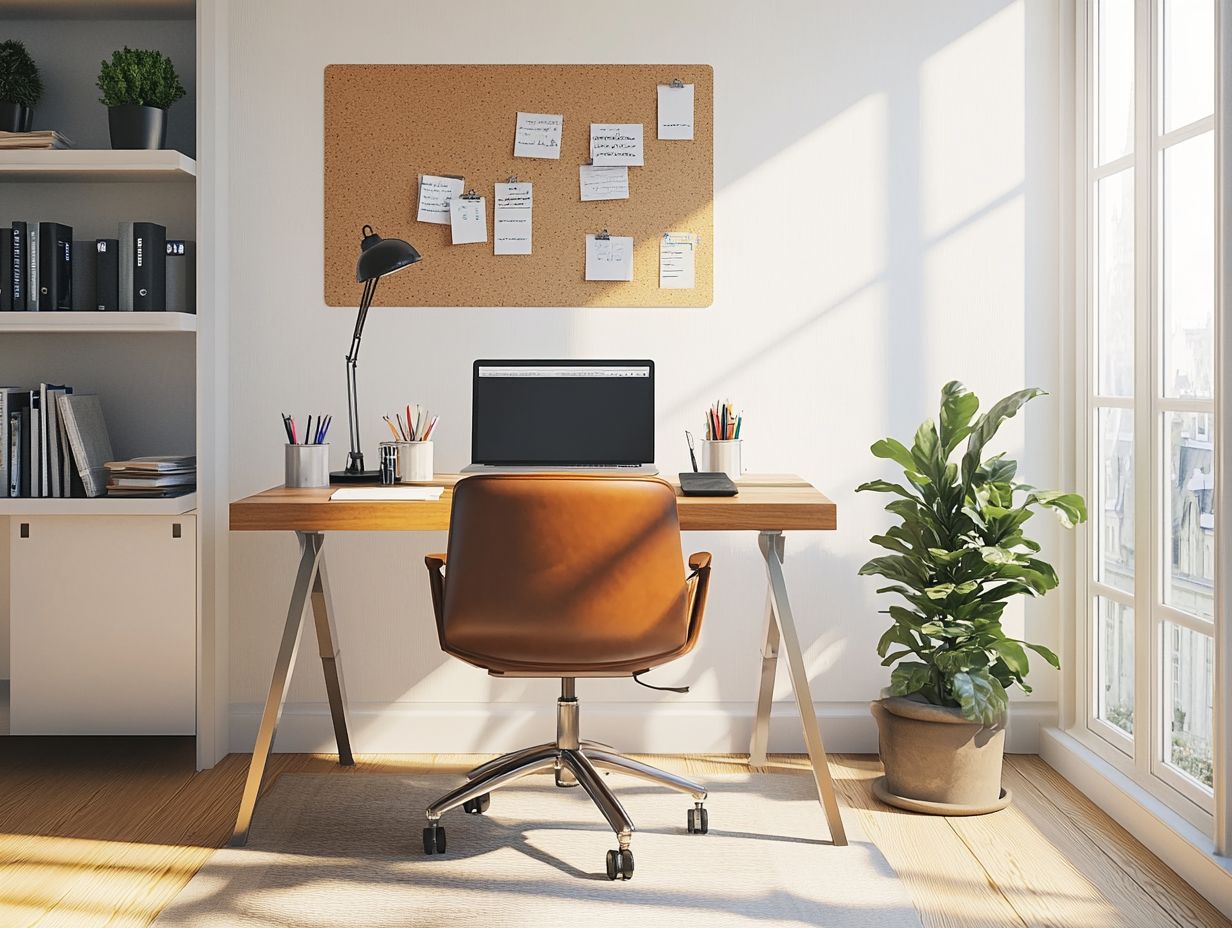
(307, 465)
(722, 456)
(414, 461)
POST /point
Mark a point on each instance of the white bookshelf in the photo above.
(101, 506)
(96, 166)
(88, 323)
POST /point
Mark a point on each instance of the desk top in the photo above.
(766, 502)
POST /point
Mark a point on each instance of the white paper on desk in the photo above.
(537, 135)
(468, 218)
(616, 143)
(434, 195)
(512, 229)
(609, 258)
(376, 494)
(676, 112)
(604, 182)
(677, 260)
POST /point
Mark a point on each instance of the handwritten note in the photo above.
(468, 218)
(616, 143)
(434, 196)
(604, 182)
(537, 136)
(677, 260)
(511, 230)
(676, 112)
(609, 258)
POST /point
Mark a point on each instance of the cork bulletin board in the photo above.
(385, 125)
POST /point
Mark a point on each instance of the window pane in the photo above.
(1189, 266)
(1189, 61)
(1114, 76)
(1114, 518)
(1114, 643)
(1188, 696)
(1114, 283)
(1189, 512)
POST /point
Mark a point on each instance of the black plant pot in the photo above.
(137, 126)
(15, 117)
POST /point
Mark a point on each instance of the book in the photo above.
(33, 303)
(84, 268)
(181, 276)
(6, 274)
(155, 463)
(19, 438)
(55, 280)
(34, 458)
(43, 138)
(162, 480)
(150, 492)
(107, 274)
(149, 267)
(125, 253)
(49, 437)
(18, 264)
(5, 444)
(82, 415)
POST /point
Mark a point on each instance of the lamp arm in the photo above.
(355, 460)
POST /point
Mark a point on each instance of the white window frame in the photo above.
(1141, 756)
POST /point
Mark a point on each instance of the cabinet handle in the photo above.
(175, 529)
(25, 529)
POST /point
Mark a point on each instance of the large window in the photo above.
(1147, 187)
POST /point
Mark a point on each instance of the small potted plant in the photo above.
(958, 555)
(20, 87)
(137, 86)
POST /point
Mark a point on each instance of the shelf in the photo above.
(101, 506)
(122, 323)
(96, 165)
(93, 9)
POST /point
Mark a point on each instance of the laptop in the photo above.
(591, 417)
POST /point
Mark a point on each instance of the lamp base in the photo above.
(363, 476)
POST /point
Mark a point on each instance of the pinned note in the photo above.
(604, 182)
(609, 257)
(677, 260)
(616, 143)
(468, 217)
(511, 230)
(537, 135)
(676, 111)
(434, 195)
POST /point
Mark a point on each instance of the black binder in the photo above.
(149, 267)
(55, 263)
(107, 274)
(706, 483)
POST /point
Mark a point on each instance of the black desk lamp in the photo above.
(377, 257)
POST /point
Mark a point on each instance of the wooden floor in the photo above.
(106, 831)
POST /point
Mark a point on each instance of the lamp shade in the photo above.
(380, 256)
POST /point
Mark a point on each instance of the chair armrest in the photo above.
(436, 580)
(698, 584)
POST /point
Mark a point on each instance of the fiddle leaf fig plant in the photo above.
(958, 554)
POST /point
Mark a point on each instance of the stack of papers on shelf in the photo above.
(44, 138)
(153, 476)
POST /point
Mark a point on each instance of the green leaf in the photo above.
(909, 677)
(981, 696)
(997, 555)
(1069, 508)
(1046, 654)
(884, 486)
(958, 406)
(894, 450)
(1012, 653)
(988, 424)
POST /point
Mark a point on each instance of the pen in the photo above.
(325, 428)
(692, 456)
(286, 426)
(308, 431)
(294, 434)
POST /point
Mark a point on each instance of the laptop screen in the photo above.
(563, 412)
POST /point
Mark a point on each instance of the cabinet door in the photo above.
(103, 625)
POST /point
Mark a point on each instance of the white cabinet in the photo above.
(103, 624)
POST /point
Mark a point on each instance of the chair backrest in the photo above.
(564, 574)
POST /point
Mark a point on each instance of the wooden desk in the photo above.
(767, 504)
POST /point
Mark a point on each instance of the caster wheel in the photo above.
(434, 840)
(699, 821)
(478, 805)
(620, 865)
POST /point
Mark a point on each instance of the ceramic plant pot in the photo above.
(131, 126)
(15, 117)
(936, 761)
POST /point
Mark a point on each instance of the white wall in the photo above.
(886, 219)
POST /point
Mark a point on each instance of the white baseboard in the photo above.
(1170, 837)
(652, 728)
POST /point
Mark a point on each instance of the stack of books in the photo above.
(52, 443)
(159, 475)
(45, 138)
(43, 269)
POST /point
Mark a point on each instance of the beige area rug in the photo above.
(328, 851)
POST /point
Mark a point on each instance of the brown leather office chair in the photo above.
(566, 576)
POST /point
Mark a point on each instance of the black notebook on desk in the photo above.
(693, 483)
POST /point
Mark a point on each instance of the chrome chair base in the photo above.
(574, 763)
